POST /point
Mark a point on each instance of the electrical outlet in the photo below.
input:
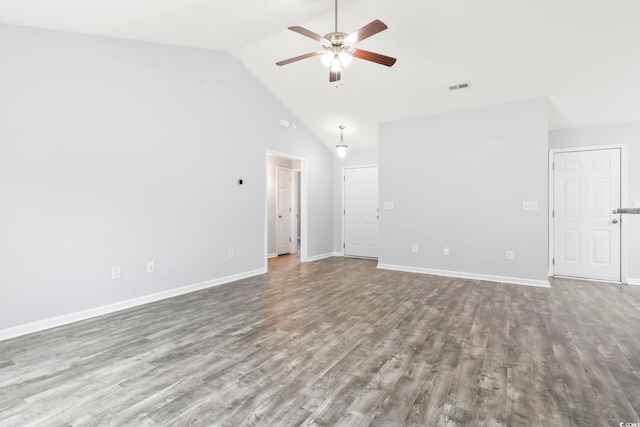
(151, 266)
(231, 253)
(414, 249)
(509, 255)
(636, 204)
(116, 272)
(445, 251)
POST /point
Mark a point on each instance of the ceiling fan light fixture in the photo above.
(336, 66)
(327, 58)
(345, 58)
(341, 149)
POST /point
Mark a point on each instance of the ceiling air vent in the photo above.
(464, 85)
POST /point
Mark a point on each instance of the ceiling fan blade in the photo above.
(334, 76)
(298, 58)
(310, 34)
(367, 31)
(374, 57)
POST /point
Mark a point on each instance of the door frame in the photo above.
(344, 168)
(291, 207)
(623, 202)
(304, 204)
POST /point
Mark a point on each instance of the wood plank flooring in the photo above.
(338, 342)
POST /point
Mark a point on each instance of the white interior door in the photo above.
(296, 191)
(284, 204)
(586, 232)
(361, 212)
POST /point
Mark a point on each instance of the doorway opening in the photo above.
(286, 217)
(586, 238)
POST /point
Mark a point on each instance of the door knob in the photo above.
(615, 221)
(279, 216)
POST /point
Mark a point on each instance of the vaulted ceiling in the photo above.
(581, 54)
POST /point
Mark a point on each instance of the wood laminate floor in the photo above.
(338, 342)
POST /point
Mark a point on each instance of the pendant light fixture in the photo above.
(341, 148)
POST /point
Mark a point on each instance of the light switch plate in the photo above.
(389, 205)
(530, 205)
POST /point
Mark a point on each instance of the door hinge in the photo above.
(553, 213)
(553, 261)
(289, 238)
(344, 212)
(344, 245)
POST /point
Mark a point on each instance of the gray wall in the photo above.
(628, 134)
(353, 158)
(115, 152)
(458, 180)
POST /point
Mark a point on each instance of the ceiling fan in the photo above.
(338, 48)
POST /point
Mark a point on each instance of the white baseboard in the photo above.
(66, 319)
(319, 257)
(338, 254)
(461, 275)
(274, 255)
(632, 281)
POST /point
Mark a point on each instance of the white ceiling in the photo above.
(582, 54)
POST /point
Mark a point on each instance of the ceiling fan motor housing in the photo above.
(336, 38)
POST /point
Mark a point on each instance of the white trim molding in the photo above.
(319, 257)
(632, 281)
(462, 275)
(66, 319)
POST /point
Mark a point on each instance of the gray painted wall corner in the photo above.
(458, 180)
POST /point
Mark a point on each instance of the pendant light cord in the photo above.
(336, 16)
